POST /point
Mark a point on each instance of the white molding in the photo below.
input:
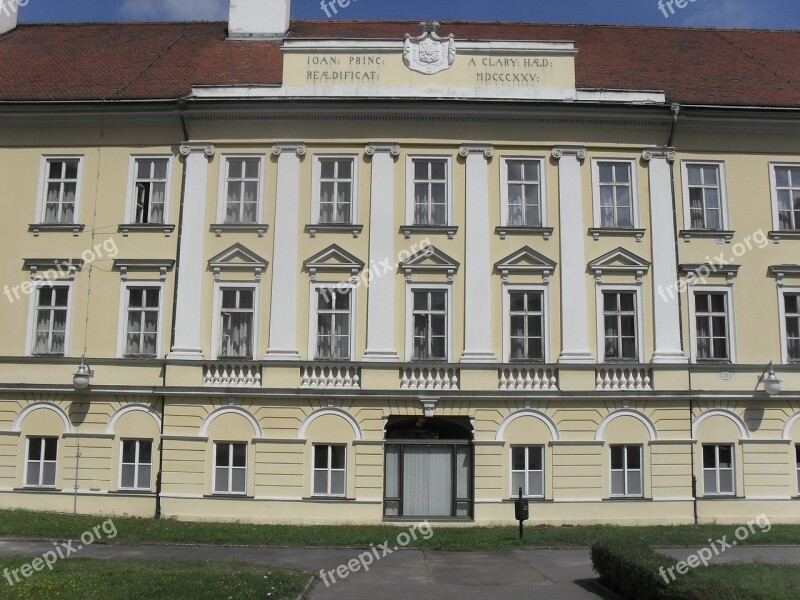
(787, 430)
(130, 201)
(328, 470)
(42, 190)
(322, 412)
(721, 412)
(411, 287)
(154, 449)
(222, 193)
(693, 320)
(539, 264)
(527, 412)
(132, 408)
(123, 312)
(640, 324)
(17, 425)
(313, 306)
(219, 286)
(249, 260)
(510, 471)
(782, 291)
(634, 186)
(507, 288)
(316, 176)
(651, 428)
(635, 265)
(344, 261)
(395, 46)
(773, 188)
(225, 410)
(723, 192)
(543, 197)
(409, 185)
(33, 298)
(229, 468)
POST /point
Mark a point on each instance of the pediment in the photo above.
(430, 260)
(333, 258)
(526, 260)
(619, 261)
(240, 258)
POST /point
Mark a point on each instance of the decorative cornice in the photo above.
(577, 151)
(666, 153)
(373, 148)
(297, 147)
(485, 149)
(206, 148)
(781, 271)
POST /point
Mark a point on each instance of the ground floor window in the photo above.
(428, 469)
(230, 468)
(40, 465)
(137, 464)
(797, 461)
(626, 471)
(718, 477)
(527, 471)
(330, 469)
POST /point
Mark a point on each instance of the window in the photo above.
(236, 323)
(61, 188)
(718, 470)
(711, 326)
(786, 196)
(626, 471)
(329, 470)
(527, 471)
(150, 190)
(241, 188)
(430, 325)
(52, 311)
(40, 466)
(614, 194)
(430, 188)
(336, 190)
(230, 468)
(523, 193)
(791, 303)
(704, 193)
(526, 325)
(333, 323)
(797, 463)
(620, 325)
(142, 321)
(136, 465)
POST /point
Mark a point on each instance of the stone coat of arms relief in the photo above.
(429, 53)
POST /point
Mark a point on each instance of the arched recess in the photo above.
(226, 410)
(41, 406)
(357, 435)
(651, 429)
(787, 430)
(721, 412)
(527, 412)
(132, 408)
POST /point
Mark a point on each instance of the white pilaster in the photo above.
(381, 345)
(188, 316)
(285, 265)
(574, 313)
(478, 268)
(666, 309)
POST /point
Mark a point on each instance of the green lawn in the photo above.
(89, 579)
(748, 582)
(36, 525)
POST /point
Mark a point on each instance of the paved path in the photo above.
(402, 575)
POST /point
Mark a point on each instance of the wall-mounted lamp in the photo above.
(772, 385)
(82, 376)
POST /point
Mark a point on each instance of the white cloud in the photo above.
(721, 13)
(175, 10)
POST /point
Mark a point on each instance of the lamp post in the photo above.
(772, 385)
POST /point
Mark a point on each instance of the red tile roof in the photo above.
(138, 61)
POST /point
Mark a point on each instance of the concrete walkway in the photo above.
(402, 575)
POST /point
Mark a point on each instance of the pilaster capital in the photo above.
(373, 148)
(665, 153)
(577, 151)
(206, 148)
(298, 148)
(485, 149)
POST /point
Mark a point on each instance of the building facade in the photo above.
(366, 272)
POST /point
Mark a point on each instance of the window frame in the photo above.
(136, 464)
(130, 198)
(636, 289)
(797, 465)
(410, 161)
(313, 318)
(216, 326)
(508, 289)
(514, 493)
(634, 188)
(41, 462)
(222, 189)
(782, 292)
(723, 193)
(230, 467)
(626, 470)
(710, 289)
(717, 470)
(504, 195)
(316, 185)
(42, 191)
(122, 331)
(328, 469)
(773, 187)
(33, 304)
(411, 288)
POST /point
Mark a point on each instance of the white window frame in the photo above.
(137, 464)
(329, 470)
(723, 192)
(42, 192)
(508, 289)
(410, 187)
(514, 493)
(130, 197)
(504, 187)
(773, 185)
(33, 301)
(692, 289)
(625, 470)
(783, 291)
(123, 313)
(634, 183)
(717, 470)
(432, 287)
(41, 463)
(316, 191)
(216, 332)
(222, 190)
(312, 316)
(230, 469)
(797, 465)
(636, 288)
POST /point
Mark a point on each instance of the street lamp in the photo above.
(83, 375)
(772, 385)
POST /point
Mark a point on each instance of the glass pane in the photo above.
(221, 479)
(128, 451)
(321, 482)
(239, 484)
(33, 473)
(145, 452)
(634, 457)
(725, 456)
(438, 300)
(337, 457)
(718, 302)
(462, 509)
(514, 171)
(392, 509)
(726, 482)
(223, 455)
(320, 457)
(392, 471)
(50, 448)
(517, 481)
(420, 300)
(536, 484)
(535, 458)
(606, 172)
(635, 483)
(782, 176)
(617, 483)
(49, 474)
(438, 169)
(617, 457)
(710, 175)
(160, 169)
(709, 482)
(144, 478)
(71, 169)
(420, 170)
(128, 474)
(462, 472)
(337, 483)
(239, 455)
(35, 448)
(709, 457)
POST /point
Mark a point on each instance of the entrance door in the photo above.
(428, 481)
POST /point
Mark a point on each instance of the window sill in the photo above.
(229, 496)
(48, 355)
(777, 236)
(713, 362)
(722, 236)
(627, 499)
(127, 228)
(530, 499)
(429, 519)
(545, 232)
(328, 499)
(721, 497)
(598, 232)
(314, 228)
(132, 357)
(49, 490)
(123, 492)
(219, 228)
(450, 230)
(38, 228)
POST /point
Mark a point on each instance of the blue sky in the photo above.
(777, 14)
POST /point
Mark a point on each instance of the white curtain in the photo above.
(428, 481)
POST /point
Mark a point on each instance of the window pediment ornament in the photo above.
(705, 270)
(526, 260)
(238, 258)
(782, 271)
(68, 266)
(619, 261)
(127, 265)
(333, 258)
(430, 260)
